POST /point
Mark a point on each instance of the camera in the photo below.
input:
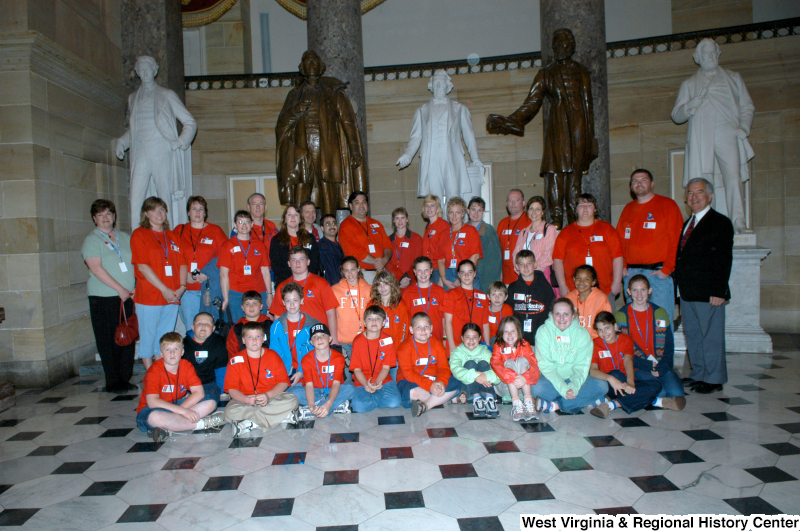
(218, 303)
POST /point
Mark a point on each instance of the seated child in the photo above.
(470, 365)
(207, 353)
(515, 365)
(256, 380)
(322, 392)
(653, 342)
(423, 377)
(166, 405)
(612, 362)
(372, 357)
(498, 294)
(252, 306)
(530, 296)
(588, 299)
(289, 334)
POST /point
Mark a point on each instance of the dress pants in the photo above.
(117, 361)
(704, 328)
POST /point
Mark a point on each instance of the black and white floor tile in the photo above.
(71, 458)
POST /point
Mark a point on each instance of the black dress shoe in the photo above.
(707, 388)
(687, 382)
(131, 387)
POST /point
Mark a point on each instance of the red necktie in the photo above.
(686, 234)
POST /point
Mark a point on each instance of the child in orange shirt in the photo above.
(588, 299)
(424, 378)
(373, 386)
(252, 306)
(386, 294)
(514, 363)
(498, 309)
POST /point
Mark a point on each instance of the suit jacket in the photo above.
(459, 122)
(703, 266)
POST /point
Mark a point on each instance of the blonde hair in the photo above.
(456, 201)
(430, 198)
(394, 295)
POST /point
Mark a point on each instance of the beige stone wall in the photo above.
(236, 136)
(228, 48)
(61, 104)
(694, 15)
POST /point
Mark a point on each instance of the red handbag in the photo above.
(127, 331)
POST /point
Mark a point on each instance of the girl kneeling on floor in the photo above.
(514, 363)
(470, 363)
(612, 362)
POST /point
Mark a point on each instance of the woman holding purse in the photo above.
(107, 253)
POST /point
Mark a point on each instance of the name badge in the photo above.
(431, 233)
(294, 333)
(507, 350)
(237, 359)
(653, 359)
(207, 241)
(386, 323)
(175, 248)
(527, 325)
(201, 354)
(307, 246)
(371, 248)
(588, 260)
(492, 319)
(326, 369)
(596, 238)
(453, 263)
(422, 361)
(168, 270)
(519, 296)
(627, 233)
(404, 244)
(507, 255)
(538, 237)
(123, 267)
(248, 270)
(480, 296)
(429, 377)
(506, 233)
(374, 225)
(168, 389)
(462, 234)
(236, 249)
(661, 323)
(649, 224)
(192, 267)
(386, 341)
(562, 339)
(352, 292)
(419, 302)
(604, 354)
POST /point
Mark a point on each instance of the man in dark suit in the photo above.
(702, 270)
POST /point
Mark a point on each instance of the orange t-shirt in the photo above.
(429, 301)
(350, 310)
(434, 240)
(461, 245)
(322, 374)
(169, 387)
(494, 318)
(362, 357)
(248, 376)
(650, 232)
(318, 298)
(198, 247)
(422, 363)
(508, 231)
(466, 307)
(398, 322)
(404, 251)
(600, 241)
(356, 238)
(596, 302)
(640, 325)
(161, 251)
(237, 255)
(612, 356)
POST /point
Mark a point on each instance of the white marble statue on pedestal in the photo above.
(436, 132)
(160, 162)
(720, 112)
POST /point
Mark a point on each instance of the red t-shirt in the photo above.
(494, 318)
(650, 232)
(148, 248)
(599, 241)
(641, 328)
(318, 298)
(356, 237)
(404, 251)
(466, 307)
(427, 300)
(461, 245)
(232, 341)
(169, 387)
(198, 247)
(508, 231)
(264, 233)
(323, 373)
(370, 355)
(434, 241)
(422, 363)
(398, 322)
(611, 356)
(243, 371)
(236, 255)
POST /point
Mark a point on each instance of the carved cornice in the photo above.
(209, 12)
(298, 7)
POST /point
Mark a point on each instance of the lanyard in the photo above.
(111, 244)
(353, 302)
(513, 229)
(200, 237)
(293, 339)
(646, 337)
(249, 244)
(396, 250)
(165, 246)
(496, 318)
(589, 241)
(532, 236)
(328, 376)
(250, 369)
(453, 241)
(177, 379)
(428, 359)
(615, 354)
(364, 229)
(263, 232)
(428, 299)
(469, 300)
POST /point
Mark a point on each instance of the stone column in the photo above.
(586, 19)
(154, 28)
(334, 32)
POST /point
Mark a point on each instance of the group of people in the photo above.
(401, 320)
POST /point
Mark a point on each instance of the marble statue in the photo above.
(436, 132)
(319, 148)
(719, 110)
(160, 163)
(570, 145)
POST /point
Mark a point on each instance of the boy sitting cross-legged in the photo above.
(252, 306)
(256, 380)
(323, 392)
(206, 351)
(172, 395)
(374, 354)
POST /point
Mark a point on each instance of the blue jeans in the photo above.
(189, 308)
(212, 391)
(154, 322)
(320, 397)
(475, 388)
(646, 392)
(405, 387)
(435, 274)
(663, 290)
(235, 304)
(590, 392)
(671, 384)
(386, 396)
(143, 416)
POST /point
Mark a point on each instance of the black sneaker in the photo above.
(160, 435)
(478, 409)
(491, 407)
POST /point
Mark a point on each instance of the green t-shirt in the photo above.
(96, 245)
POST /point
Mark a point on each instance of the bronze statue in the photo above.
(569, 142)
(319, 150)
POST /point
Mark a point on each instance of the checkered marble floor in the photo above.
(71, 458)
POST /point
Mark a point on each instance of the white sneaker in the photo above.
(305, 414)
(344, 407)
(243, 427)
(214, 421)
(292, 417)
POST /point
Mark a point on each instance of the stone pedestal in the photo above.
(587, 21)
(743, 332)
(334, 32)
